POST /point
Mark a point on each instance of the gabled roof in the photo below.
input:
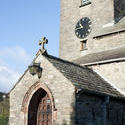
(116, 54)
(83, 77)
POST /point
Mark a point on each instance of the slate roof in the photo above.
(83, 77)
(109, 55)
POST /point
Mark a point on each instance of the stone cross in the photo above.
(42, 42)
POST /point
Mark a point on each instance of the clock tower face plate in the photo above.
(83, 28)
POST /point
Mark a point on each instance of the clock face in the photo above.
(83, 28)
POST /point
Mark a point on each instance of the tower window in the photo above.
(83, 45)
(119, 10)
(85, 2)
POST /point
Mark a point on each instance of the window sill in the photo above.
(84, 4)
(84, 49)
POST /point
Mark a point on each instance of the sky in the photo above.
(22, 24)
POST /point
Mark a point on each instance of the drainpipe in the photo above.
(107, 99)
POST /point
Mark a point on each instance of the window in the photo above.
(85, 2)
(119, 10)
(83, 45)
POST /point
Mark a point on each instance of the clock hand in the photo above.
(81, 25)
(79, 28)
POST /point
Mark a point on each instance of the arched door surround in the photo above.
(32, 103)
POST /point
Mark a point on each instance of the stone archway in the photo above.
(40, 109)
(31, 104)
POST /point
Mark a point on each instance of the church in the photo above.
(85, 85)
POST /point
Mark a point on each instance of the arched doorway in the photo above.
(44, 113)
(40, 109)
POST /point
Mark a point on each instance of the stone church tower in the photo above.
(92, 33)
(86, 85)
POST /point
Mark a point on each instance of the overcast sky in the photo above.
(22, 24)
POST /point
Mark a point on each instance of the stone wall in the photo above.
(113, 73)
(90, 110)
(99, 110)
(116, 112)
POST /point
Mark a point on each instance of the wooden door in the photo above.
(44, 114)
